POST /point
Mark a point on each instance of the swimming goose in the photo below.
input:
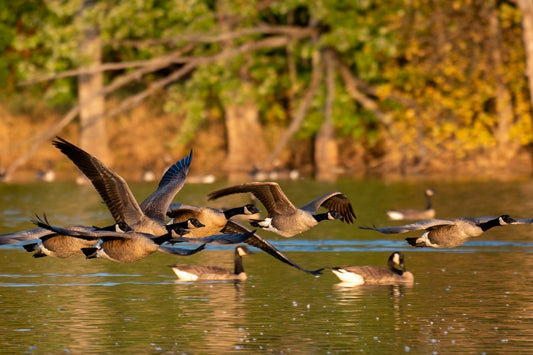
(186, 272)
(149, 216)
(443, 233)
(126, 245)
(374, 275)
(213, 219)
(283, 217)
(414, 214)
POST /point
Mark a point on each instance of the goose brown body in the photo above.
(214, 220)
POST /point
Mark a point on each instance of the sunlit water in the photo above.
(477, 298)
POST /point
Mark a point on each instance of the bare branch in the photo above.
(175, 57)
(214, 37)
(134, 100)
(350, 82)
(152, 65)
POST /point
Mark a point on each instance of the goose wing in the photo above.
(85, 232)
(269, 193)
(477, 220)
(519, 221)
(112, 187)
(226, 238)
(336, 201)
(25, 235)
(76, 231)
(257, 241)
(180, 211)
(180, 251)
(156, 205)
(428, 223)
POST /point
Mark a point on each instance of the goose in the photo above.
(126, 245)
(213, 219)
(415, 214)
(186, 272)
(45, 175)
(283, 217)
(149, 216)
(375, 275)
(444, 233)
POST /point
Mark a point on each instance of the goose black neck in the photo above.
(321, 216)
(179, 228)
(394, 269)
(233, 212)
(163, 238)
(489, 224)
(238, 263)
(428, 202)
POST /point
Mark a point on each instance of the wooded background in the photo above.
(331, 88)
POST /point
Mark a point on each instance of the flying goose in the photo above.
(414, 214)
(149, 216)
(186, 272)
(214, 220)
(375, 275)
(283, 217)
(444, 233)
(126, 245)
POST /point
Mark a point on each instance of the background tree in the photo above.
(398, 87)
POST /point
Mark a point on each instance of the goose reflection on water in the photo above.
(220, 328)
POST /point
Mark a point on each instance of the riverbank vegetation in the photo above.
(330, 88)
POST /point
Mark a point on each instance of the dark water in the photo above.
(477, 298)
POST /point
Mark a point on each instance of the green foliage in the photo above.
(427, 63)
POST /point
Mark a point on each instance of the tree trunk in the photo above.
(245, 140)
(326, 153)
(93, 133)
(246, 147)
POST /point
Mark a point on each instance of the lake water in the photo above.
(477, 298)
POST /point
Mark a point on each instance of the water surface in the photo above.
(476, 298)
